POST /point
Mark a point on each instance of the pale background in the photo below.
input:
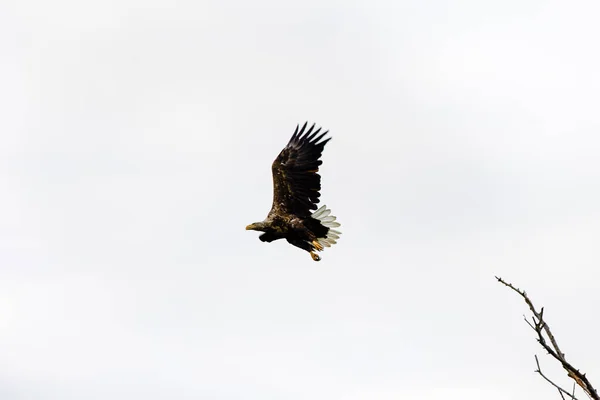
(136, 143)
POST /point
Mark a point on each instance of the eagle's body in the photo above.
(296, 185)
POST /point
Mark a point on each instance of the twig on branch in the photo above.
(540, 326)
(560, 390)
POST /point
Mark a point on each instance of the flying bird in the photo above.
(296, 185)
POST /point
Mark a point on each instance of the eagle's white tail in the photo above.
(322, 214)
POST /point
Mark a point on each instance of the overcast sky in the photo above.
(136, 139)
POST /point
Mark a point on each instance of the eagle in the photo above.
(296, 186)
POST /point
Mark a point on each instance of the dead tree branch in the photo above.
(561, 391)
(541, 327)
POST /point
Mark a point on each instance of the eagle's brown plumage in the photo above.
(296, 186)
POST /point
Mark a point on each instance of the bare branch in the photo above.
(540, 326)
(560, 390)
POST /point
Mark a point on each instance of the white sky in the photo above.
(136, 140)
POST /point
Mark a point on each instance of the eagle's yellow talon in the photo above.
(317, 245)
(315, 256)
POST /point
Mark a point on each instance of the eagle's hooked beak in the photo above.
(257, 226)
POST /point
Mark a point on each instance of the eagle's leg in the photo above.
(317, 246)
(307, 246)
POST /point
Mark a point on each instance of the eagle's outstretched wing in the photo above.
(296, 182)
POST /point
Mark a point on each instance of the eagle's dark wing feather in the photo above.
(296, 182)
